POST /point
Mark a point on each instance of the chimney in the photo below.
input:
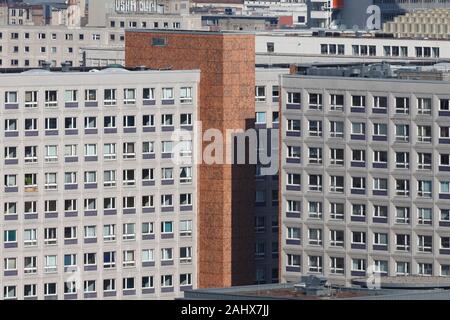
(46, 65)
(65, 66)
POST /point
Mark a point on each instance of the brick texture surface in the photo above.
(226, 101)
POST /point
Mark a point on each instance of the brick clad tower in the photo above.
(227, 101)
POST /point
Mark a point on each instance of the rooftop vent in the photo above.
(313, 286)
(65, 66)
(46, 65)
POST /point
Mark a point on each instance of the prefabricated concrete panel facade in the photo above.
(128, 189)
(308, 251)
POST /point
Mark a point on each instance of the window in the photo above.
(380, 239)
(380, 157)
(11, 97)
(315, 263)
(337, 211)
(425, 216)
(51, 123)
(185, 279)
(10, 292)
(166, 281)
(402, 242)
(109, 233)
(359, 210)
(260, 117)
(129, 232)
(51, 181)
(185, 254)
(129, 96)
(110, 97)
(424, 161)
(109, 285)
(425, 269)
(337, 129)
(358, 128)
(315, 182)
(402, 215)
(293, 98)
(129, 150)
(260, 93)
(293, 260)
(129, 121)
(50, 235)
(51, 98)
(424, 189)
(358, 265)
(90, 177)
(128, 258)
(380, 104)
(315, 101)
(336, 265)
(381, 267)
(402, 160)
(336, 238)
(424, 134)
(185, 174)
(167, 227)
(90, 259)
(337, 156)
(315, 209)
(424, 106)
(167, 146)
(148, 94)
(293, 152)
(167, 93)
(445, 215)
(424, 243)
(148, 121)
(109, 122)
(358, 156)
(315, 237)
(90, 95)
(31, 98)
(337, 184)
(109, 151)
(380, 184)
(402, 187)
(380, 129)
(293, 125)
(402, 105)
(70, 96)
(358, 101)
(337, 102)
(11, 125)
(128, 283)
(30, 290)
(30, 237)
(185, 227)
(129, 177)
(358, 237)
(315, 128)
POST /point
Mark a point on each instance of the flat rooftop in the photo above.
(408, 288)
(406, 70)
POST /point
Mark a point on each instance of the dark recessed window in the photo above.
(159, 41)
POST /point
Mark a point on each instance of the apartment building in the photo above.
(95, 205)
(430, 24)
(364, 174)
(286, 47)
(30, 46)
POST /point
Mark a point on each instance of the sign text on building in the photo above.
(136, 6)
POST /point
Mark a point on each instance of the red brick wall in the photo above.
(226, 101)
